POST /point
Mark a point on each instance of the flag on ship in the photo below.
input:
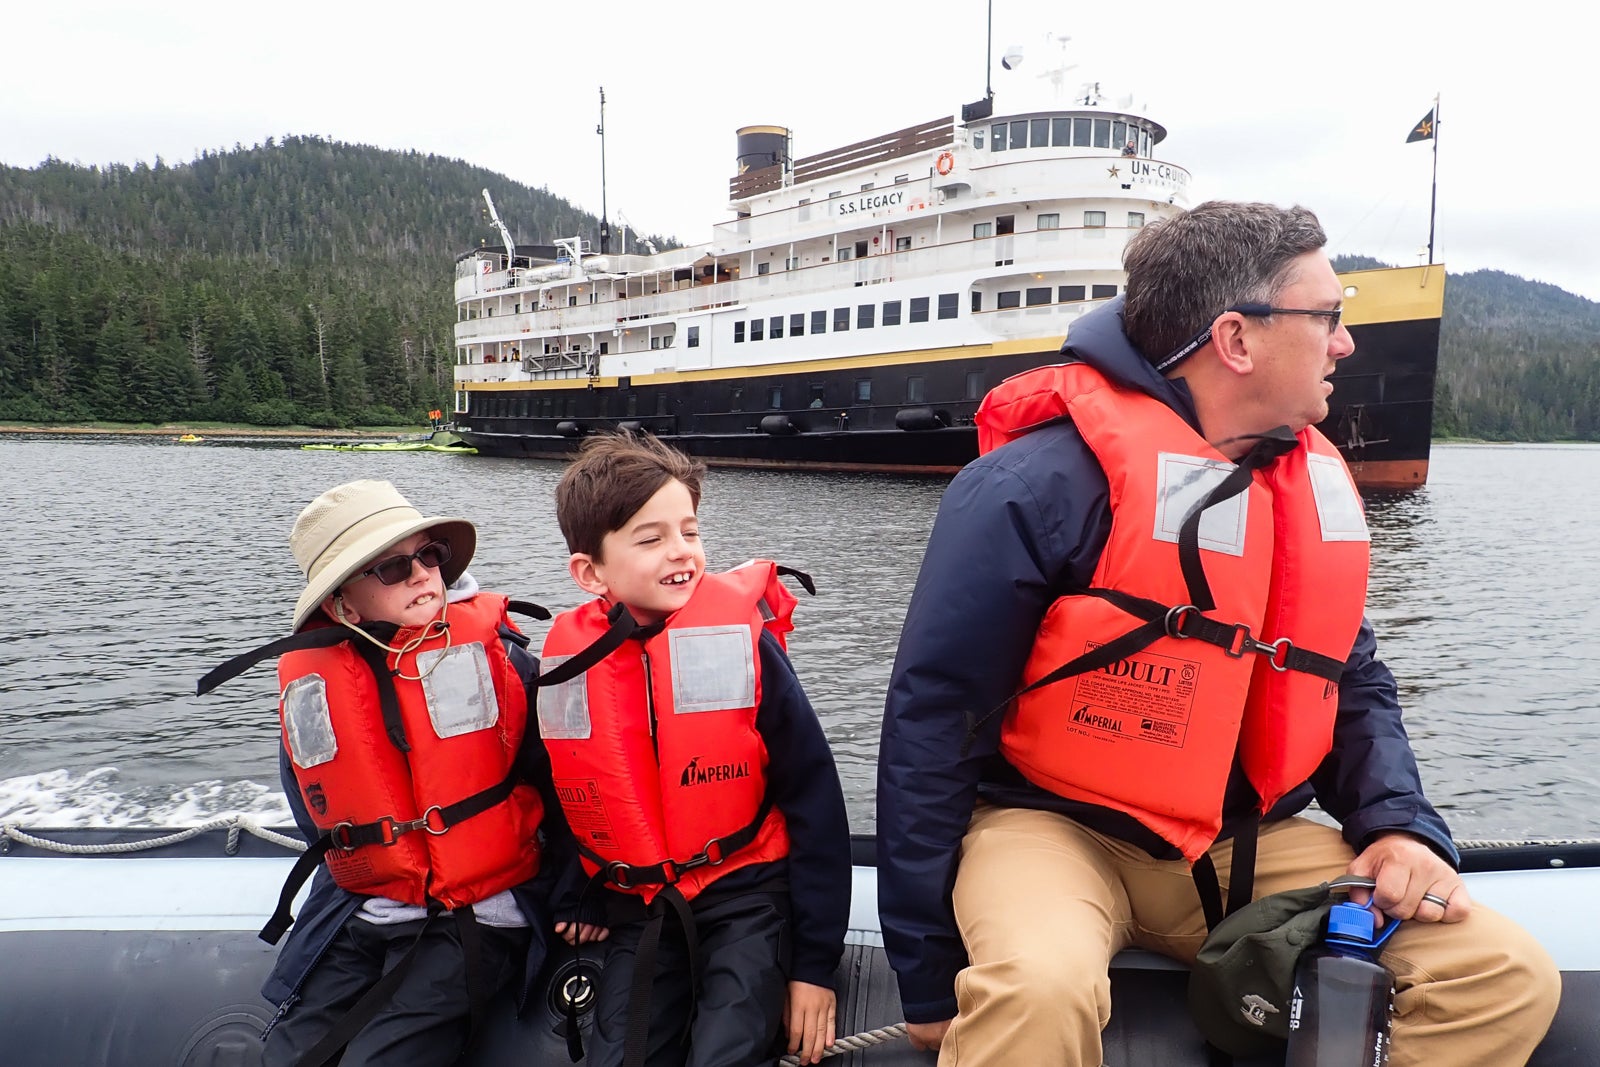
(1423, 131)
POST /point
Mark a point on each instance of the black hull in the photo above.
(1380, 413)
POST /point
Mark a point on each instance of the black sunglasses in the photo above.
(396, 569)
(1258, 311)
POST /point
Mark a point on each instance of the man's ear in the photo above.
(586, 572)
(1231, 341)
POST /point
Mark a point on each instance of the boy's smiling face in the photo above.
(654, 562)
(416, 601)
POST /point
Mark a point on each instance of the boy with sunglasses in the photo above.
(408, 762)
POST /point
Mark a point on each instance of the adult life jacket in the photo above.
(420, 803)
(654, 750)
(1244, 633)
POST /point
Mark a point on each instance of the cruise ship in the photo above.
(858, 304)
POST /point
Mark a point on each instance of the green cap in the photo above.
(1240, 985)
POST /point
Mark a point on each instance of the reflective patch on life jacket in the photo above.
(309, 721)
(564, 708)
(713, 669)
(1182, 482)
(459, 689)
(1338, 505)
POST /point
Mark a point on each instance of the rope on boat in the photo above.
(234, 824)
(1471, 844)
(855, 1043)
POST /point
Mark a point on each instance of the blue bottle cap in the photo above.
(1350, 923)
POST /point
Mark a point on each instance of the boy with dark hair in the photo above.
(696, 778)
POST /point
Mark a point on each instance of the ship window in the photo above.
(914, 389)
(1005, 225)
(1082, 132)
(998, 144)
(490, 312)
(919, 309)
(867, 188)
(792, 263)
(1019, 133)
(841, 319)
(738, 333)
(1094, 219)
(1119, 133)
(775, 327)
(1038, 295)
(819, 322)
(1041, 133)
(666, 342)
(901, 179)
(1068, 293)
(1061, 132)
(1101, 292)
(797, 324)
(694, 337)
(902, 244)
(804, 201)
(865, 313)
(736, 398)
(633, 403)
(757, 329)
(846, 252)
(762, 268)
(977, 139)
(977, 300)
(661, 403)
(974, 385)
(947, 305)
(861, 249)
(891, 312)
(775, 397)
(572, 406)
(1009, 298)
(863, 390)
(982, 229)
(835, 194)
(1052, 221)
(1102, 133)
(816, 395)
(1135, 220)
(605, 347)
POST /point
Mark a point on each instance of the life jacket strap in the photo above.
(669, 872)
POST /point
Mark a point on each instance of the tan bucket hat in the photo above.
(351, 525)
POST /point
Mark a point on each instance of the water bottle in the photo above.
(1339, 1009)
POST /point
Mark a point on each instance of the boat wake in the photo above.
(96, 798)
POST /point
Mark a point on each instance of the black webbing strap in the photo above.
(1268, 447)
(800, 576)
(377, 659)
(529, 608)
(1241, 888)
(621, 628)
(320, 637)
(669, 871)
(364, 1009)
(347, 837)
(636, 1042)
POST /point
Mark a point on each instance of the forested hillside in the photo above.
(309, 281)
(305, 281)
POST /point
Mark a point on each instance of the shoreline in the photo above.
(199, 431)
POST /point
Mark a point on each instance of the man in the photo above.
(1159, 541)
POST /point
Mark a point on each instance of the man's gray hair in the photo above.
(1185, 271)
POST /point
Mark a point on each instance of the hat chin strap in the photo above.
(435, 628)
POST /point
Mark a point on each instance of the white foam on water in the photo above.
(95, 798)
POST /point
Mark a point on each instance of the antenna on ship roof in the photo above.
(982, 109)
(605, 226)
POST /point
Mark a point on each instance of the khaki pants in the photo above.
(1043, 904)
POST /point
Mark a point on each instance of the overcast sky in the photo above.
(1290, 103)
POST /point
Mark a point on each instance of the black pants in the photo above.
(738, 1012)
(425, 1023)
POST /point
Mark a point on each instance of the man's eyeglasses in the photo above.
(1257, 311)
(396, 569)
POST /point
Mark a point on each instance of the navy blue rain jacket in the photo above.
(550, 895)
(1016, 526)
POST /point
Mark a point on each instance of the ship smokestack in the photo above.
(763, 146)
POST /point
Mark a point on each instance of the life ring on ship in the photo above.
(946, 163)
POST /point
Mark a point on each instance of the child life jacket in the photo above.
(1241, 651)
(654, 750)
(413, 781)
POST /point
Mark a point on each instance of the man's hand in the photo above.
(582, 933)
(809, 1017)
(927, 1037)
(1413, 881)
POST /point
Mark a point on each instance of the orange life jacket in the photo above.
(1153, 733)
(654, 750)
(461, 726)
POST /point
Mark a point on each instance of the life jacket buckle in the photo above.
(619, 874)
(341, 835)
(1277, 653)
(1244, 641)
(1174, 621)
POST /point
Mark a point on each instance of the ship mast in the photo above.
(505, 234)
(605, 224)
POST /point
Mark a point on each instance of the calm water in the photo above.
(139, 564)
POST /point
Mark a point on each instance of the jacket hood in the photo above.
(1098, 340)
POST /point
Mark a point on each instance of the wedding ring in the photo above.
(1434, 898)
